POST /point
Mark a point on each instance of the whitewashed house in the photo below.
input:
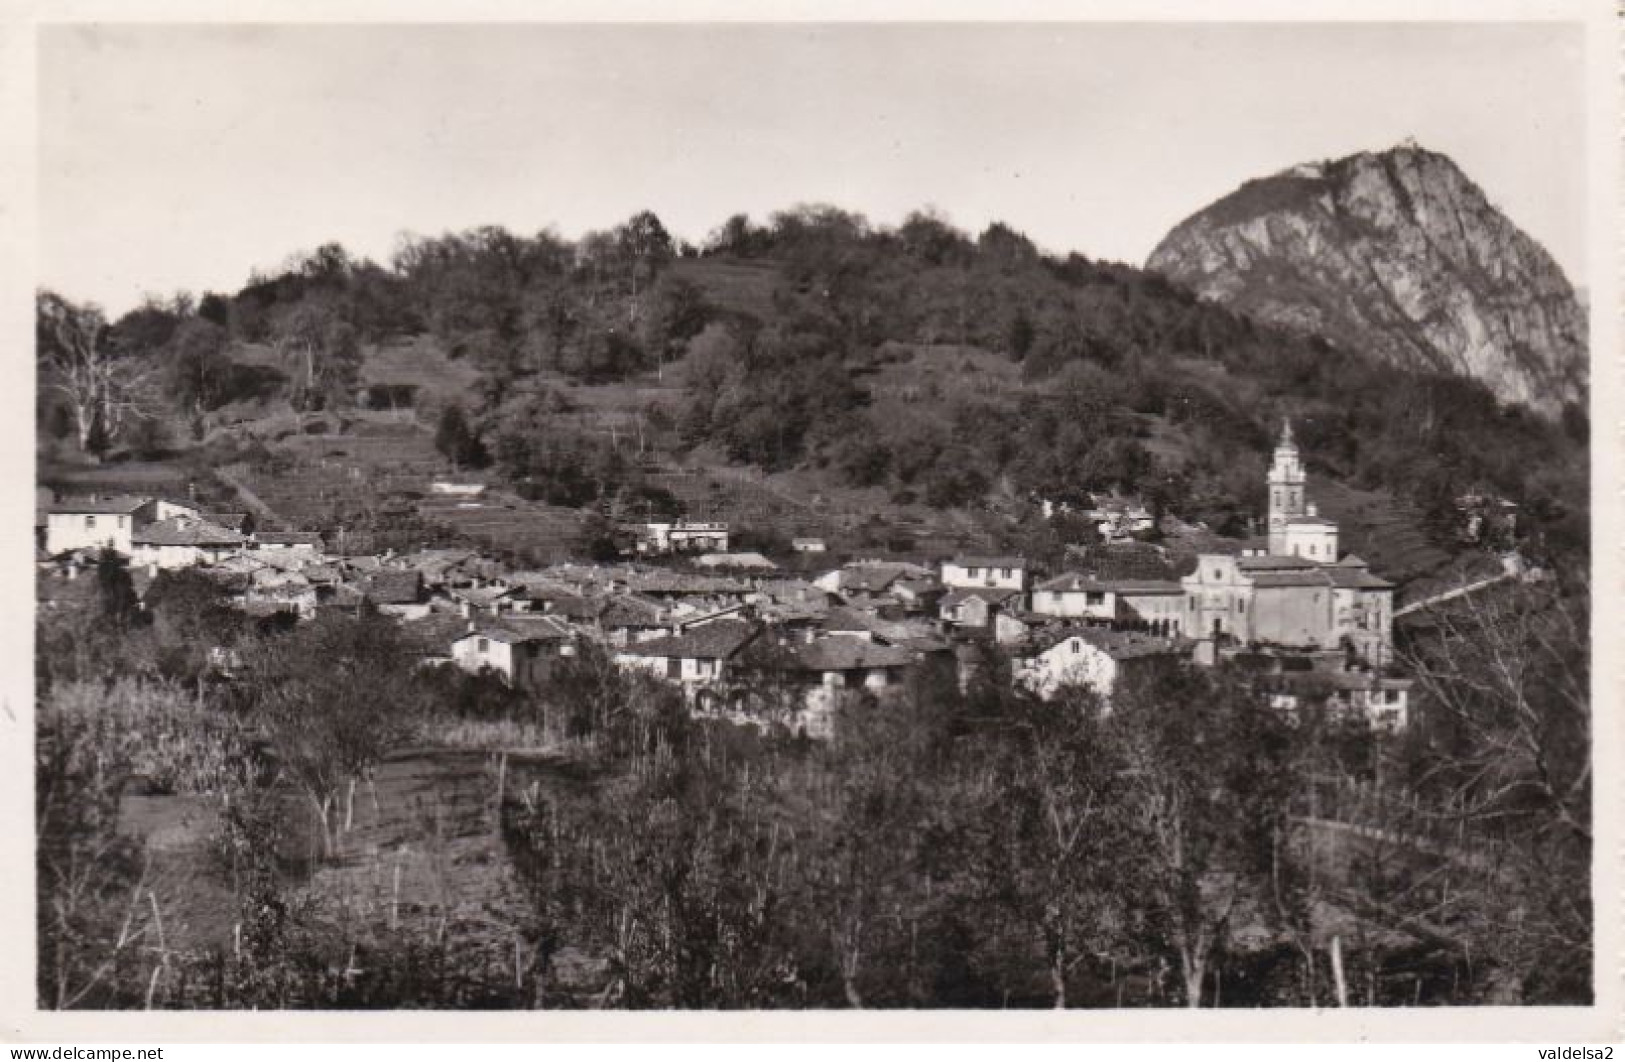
(523, 651)
(182, 542)
(699, 659)
(1088, 657)
(96, 523)
(985, 573)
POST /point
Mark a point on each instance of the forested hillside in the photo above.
(936, 368)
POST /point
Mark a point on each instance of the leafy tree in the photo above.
(456, 441)
(597, 538)
(677, 313)
(646, 246)
(117, 605)
(198, 371)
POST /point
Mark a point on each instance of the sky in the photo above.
(183, 157)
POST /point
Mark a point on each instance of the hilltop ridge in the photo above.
(1396, 253)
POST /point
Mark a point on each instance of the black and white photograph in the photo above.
(895, 516)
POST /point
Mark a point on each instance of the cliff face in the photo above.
(1399, 254)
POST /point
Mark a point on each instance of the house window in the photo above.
(674, 667)
(1216, 575)
(90, 521)
(482, 646)
(973, 572)
(1008, 572)
(1077, 646)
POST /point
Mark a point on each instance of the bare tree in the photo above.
(76, 361)
(1500, 764)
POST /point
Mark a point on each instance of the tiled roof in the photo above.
(1145, 587)
(847, 653)
(432, 634)
(235, 521)
(1074, 582)
(870, 578)
(717, 640)
(662, 582)
(841, 618)
(516, 629)
(625, 610)
(1357, 579)
(1277, 580)
(797, 591)
(575, 606)
(1271, 563)
(394, 588)
(482, 595)
(992, 597)
(182, 531)
(1119, 645)
(125, 504)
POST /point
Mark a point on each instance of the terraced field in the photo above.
(505, 524)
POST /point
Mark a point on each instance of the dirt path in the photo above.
(230, 477)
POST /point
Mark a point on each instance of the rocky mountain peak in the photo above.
(1395, 252)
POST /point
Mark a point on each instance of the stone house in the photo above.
(831, 669)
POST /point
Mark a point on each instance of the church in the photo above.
(1298, 594)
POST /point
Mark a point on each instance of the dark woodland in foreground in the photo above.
(825, 617)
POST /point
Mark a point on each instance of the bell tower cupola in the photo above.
(1286, 489)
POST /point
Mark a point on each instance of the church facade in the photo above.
(1298, 593)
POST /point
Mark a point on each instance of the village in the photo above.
(1311, 626)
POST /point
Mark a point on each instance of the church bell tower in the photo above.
(1286, 490)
